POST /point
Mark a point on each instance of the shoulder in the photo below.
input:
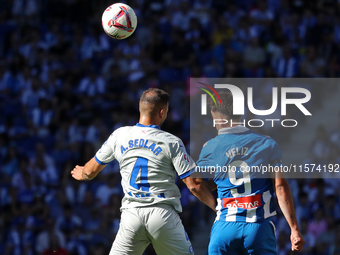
(172, 142)
(212, 142)
(265, 139)
(210, 145)
(122, 130)
(168, 137)
(119, 132)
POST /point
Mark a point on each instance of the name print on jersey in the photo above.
(141, 143)
(237, 151)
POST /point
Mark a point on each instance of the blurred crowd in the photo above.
(65, 86)
(317, 200)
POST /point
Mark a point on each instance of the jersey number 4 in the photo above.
(141, 166)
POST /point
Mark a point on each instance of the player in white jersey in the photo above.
(149, 159)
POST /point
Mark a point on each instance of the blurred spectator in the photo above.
(261, 18)
(22, 181)
(181, 18)
(49, 236)
(303, 207)
(332, 209)
(31, 95)
(287, 65)
(321, 145)
(99, 249)
(84, 208)
(254, 58)
(105, 190)
(283, 244)
(92, 85)
(75, 191)
(13, 131)
(318, 225)
(195, 35)
(75, 133)
(75, 242)
(28, 8)
(223, 32)
(116, 65)
(242, 34)
(328, 237)
(68, 221)
(312, 66)
(335, 247)
(233, 15)
(20, 239)
(6, 79)
(335, 136)
(44, 173)
(181, 55)
(307, 236)
(10, 165)
(41, 117)
(93, 131)
(54, 248)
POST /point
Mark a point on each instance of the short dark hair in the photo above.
(155, 96)
(153, 100)
(227, 104)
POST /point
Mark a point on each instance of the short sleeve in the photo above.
(275, 158)
(106, 153)
(181, 160)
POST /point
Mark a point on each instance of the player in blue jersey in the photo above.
(245, 202)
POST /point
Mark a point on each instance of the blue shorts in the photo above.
(238, 238)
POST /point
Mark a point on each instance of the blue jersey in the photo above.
(242, 194)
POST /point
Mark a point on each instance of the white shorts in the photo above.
(159, 225)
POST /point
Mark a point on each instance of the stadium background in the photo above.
(65, 86)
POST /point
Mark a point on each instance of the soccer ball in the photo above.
(119, 21)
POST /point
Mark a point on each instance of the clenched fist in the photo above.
(297, 241)
(78, 173)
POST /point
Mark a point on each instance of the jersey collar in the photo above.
(233, 130)
(151, 126)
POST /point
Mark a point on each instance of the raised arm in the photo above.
(87, 172)
(286, 203)
(200, 188)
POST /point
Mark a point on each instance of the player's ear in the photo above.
(161, 113)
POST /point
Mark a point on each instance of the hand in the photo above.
(77, 173)
(297, 240)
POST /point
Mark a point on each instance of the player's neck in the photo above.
(226, 126)
(146, 121)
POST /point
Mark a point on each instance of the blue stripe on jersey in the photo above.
(150, 126)
(185, 175)
(99, 162)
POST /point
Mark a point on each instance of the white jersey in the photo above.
(149, 159)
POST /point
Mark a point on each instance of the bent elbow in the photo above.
(194, 189)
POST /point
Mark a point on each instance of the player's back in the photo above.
(149, 160)
(242, 194)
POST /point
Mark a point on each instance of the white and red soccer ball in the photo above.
(119, 21)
